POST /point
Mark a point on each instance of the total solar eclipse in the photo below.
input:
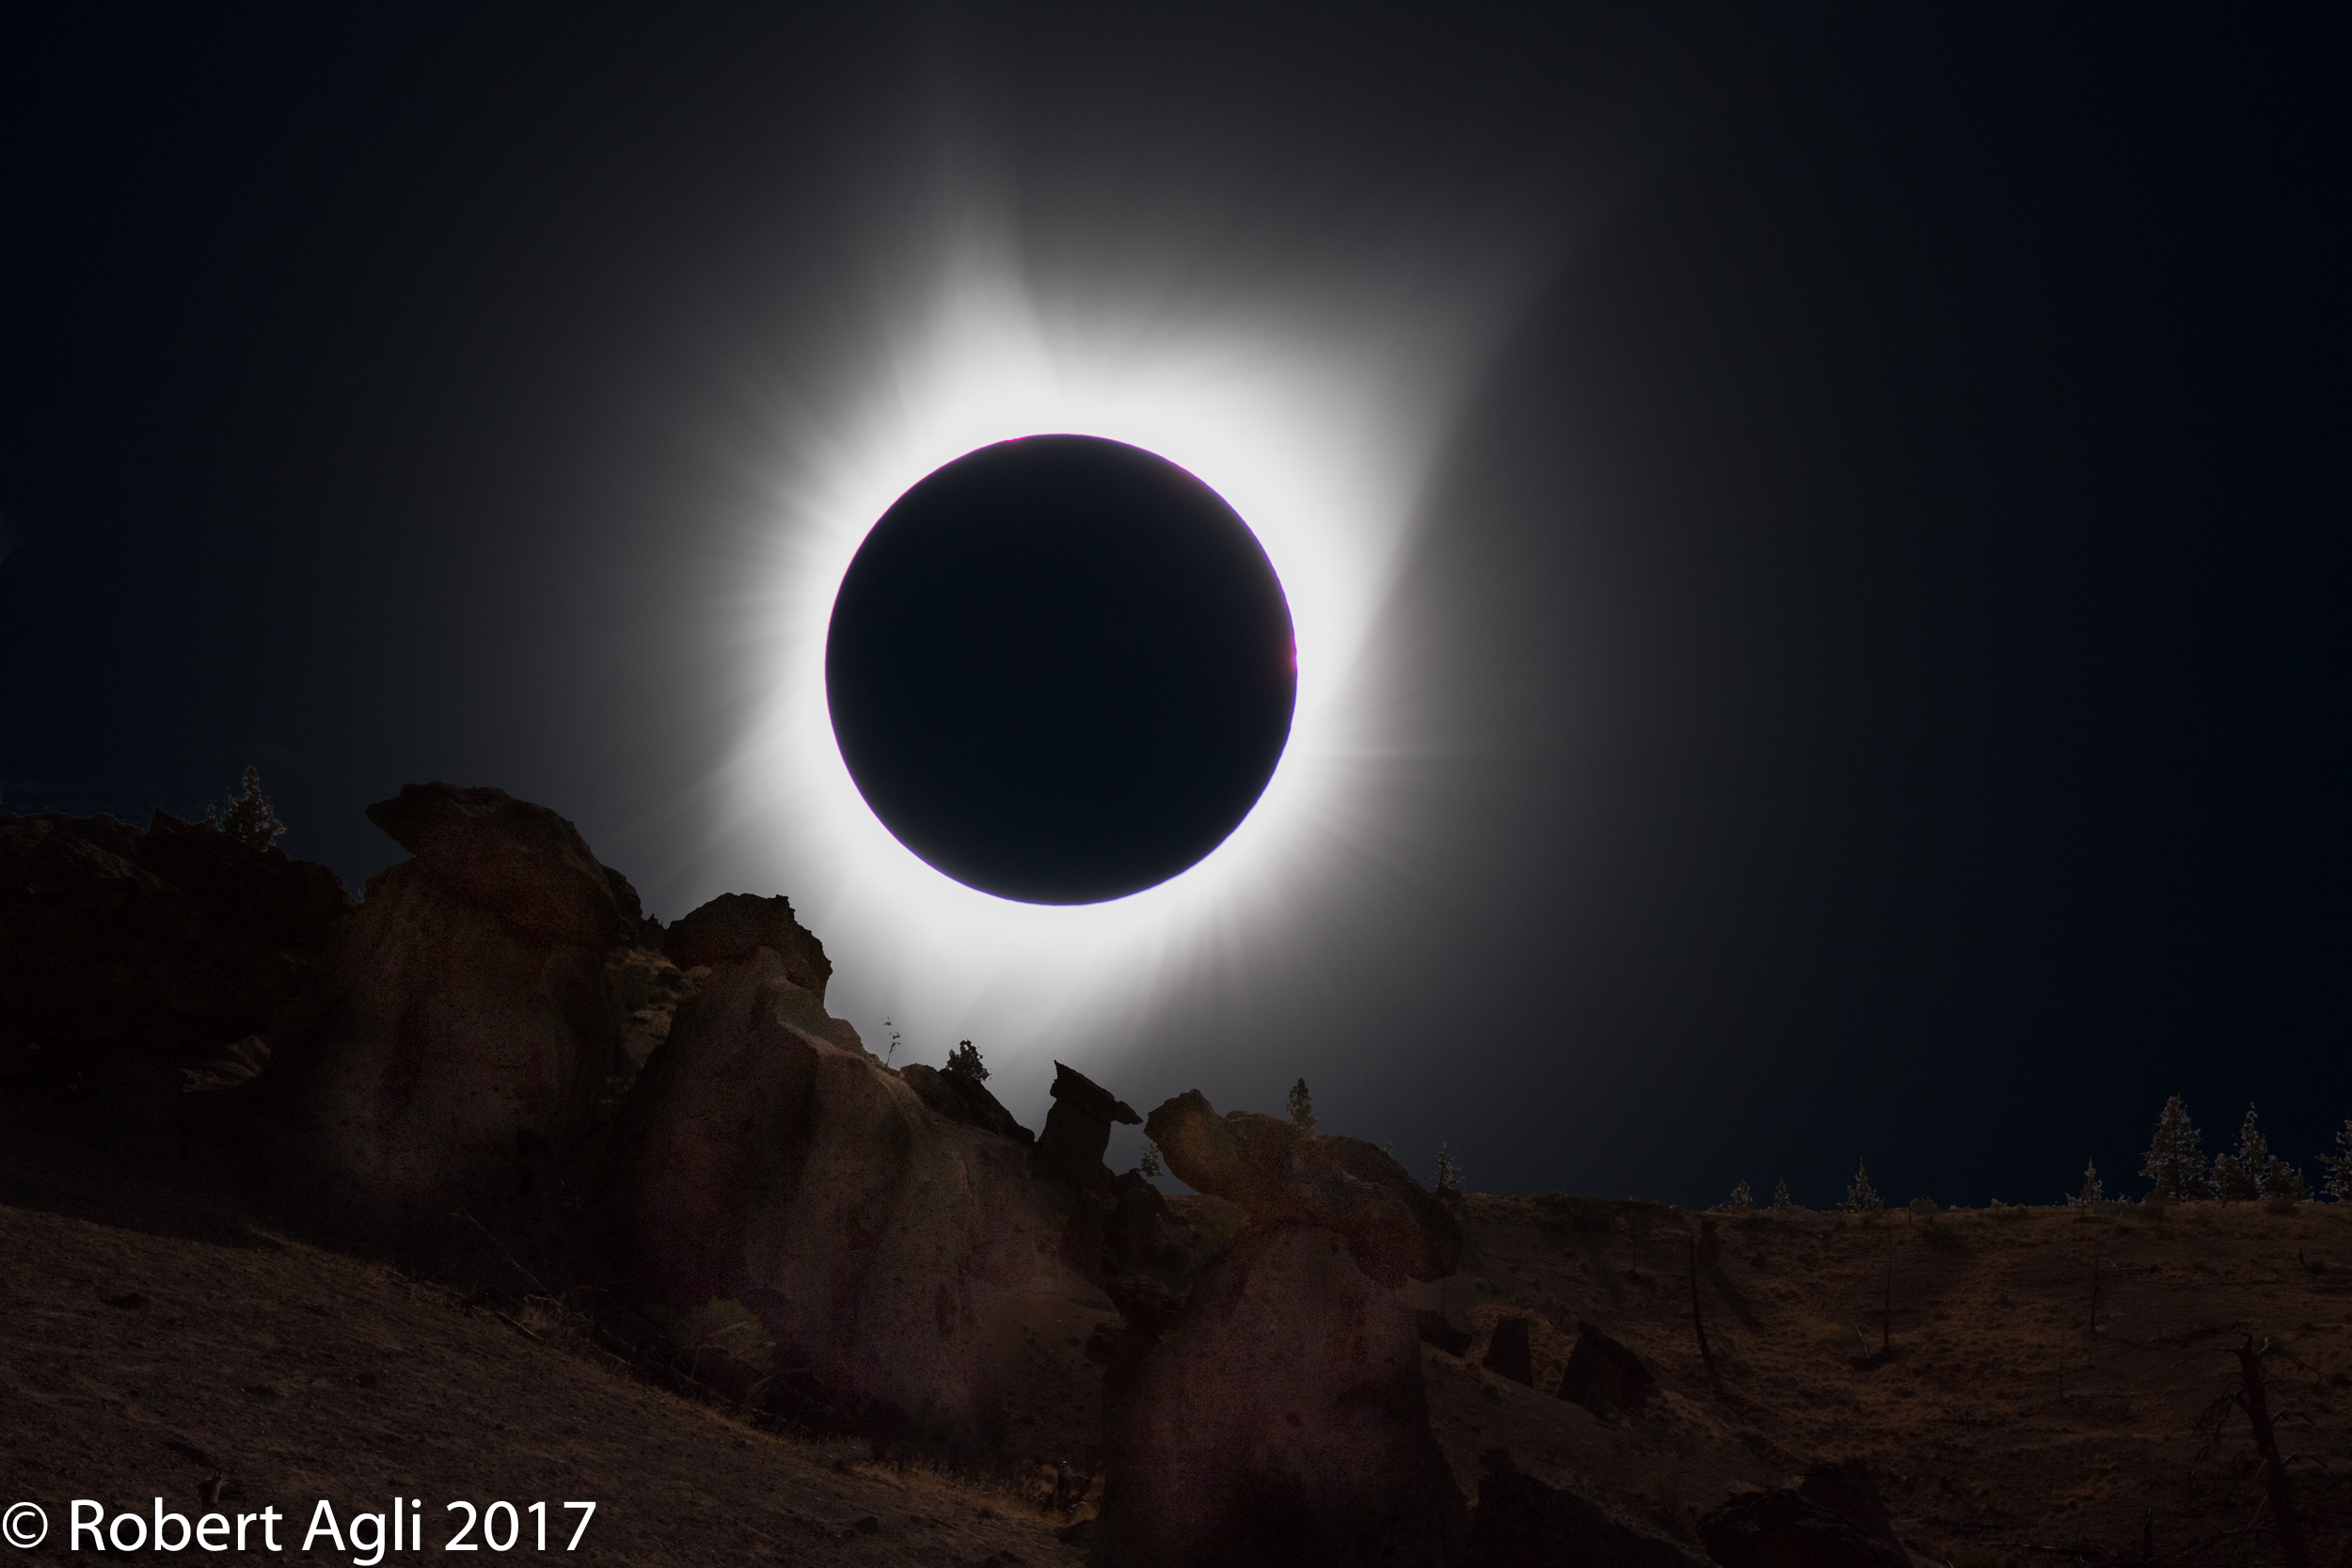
(1061, 669)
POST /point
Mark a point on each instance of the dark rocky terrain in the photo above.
(488, 1185)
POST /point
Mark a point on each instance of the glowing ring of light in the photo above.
(1318, 432)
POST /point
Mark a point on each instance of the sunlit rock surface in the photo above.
(765, 1157)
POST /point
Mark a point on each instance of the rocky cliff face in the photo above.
(170, 942)
(454, 1055)
(765, 1157)
(1277, 1413)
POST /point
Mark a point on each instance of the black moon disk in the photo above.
(1061, 669)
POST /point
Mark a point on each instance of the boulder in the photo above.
(965, 1099)
(1781, 1529)
(736, 925)
(1279, 1418)
(1281, 1175)
(1243, 1157)
(1603, 1375)
(452, 1059)
(764, 1156)
(518, 860)
(1436, 1330)
(1507, 1351)
(170, 942)
(1522, 1522)
(1078, 1129)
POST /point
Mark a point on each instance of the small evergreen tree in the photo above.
(964, 1063)
(1861, 1197)
(893, 1051)
(1782, 1203)
(1150, 1163)
(2283, 1184)
(250, 821)
(1302, 1107)
(2238, 1178)
(2176, 1157)
(1448, 1173)
(2339, 1166)
(1743, 1202)
(2092, 1192)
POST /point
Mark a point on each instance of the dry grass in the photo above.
(2003, 1415)
(297, 1374)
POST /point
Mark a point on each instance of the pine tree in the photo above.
(1861, 1197)
(2339, 1166)
(2273, 1177)
(2093, 1194)
(963, 1062)
(2283, 1184)
(1448, 1173)
(250, 821)
(1150, 1164)
(2176, 1157)
(1782, 1203)
(2238, 1177)
(1302, 1107)
(1743, 1200)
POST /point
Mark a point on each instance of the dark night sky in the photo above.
(1871, 654)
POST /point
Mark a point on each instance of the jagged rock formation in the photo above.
(1078, 1129)
(453, 1058)
(1280, 1419)
(486, 848)
(1522, 1522)
(1277, 1414)
(875, 1227)
(736, 925)
(1278, 1175)
(173, 942)
(1070, 1154)
(964, 1100)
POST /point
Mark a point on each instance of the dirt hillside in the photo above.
(156, 1339)
(2009, 1424)
(158, 1334)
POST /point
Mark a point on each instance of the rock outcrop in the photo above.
(1603, 1374)
(453, 1059)
(173, 942)
(1508, 1351)
(963, 1099)
(1781, 1529)
(1278, 1175)
(736, 925)
(1277, 1414)
(764, 1156)
(1522, 1522)
(1078, 1129)
(1281, 1421)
